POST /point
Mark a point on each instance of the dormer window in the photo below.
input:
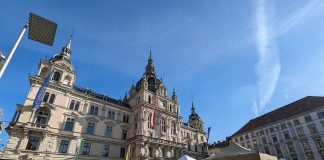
(57, 76)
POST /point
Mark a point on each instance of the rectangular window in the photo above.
(151, 151)
(266, 150)
(274, 138)
(124, 134)
(320, 115)
(291, 147)
(264, 140)
(105, 151)
(164, 153)
(69, 124)
(278, 150)
(286, 135)
(125, 118)
(296, 122)
(90, 129)
(86, 148)
(163, 127)
(310, 156)
(283, 126)
(63, 146)
(33, 143)
(305, 145)
(308, 118)
(312, 129)
(122, 152)
(247, 136)
(173, 128)
(300, 132)
(108, 133)
(318, 142)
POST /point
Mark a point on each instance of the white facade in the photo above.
(295, 137)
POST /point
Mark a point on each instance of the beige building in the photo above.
(293, 132)
(106, 125)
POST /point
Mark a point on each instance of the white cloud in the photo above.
(268, 66)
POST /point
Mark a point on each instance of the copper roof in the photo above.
(292, 109)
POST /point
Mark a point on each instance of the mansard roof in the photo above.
(100, 96)
(300, 106)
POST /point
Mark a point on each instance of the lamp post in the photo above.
(40, 30)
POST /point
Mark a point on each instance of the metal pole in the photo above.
(13, 50)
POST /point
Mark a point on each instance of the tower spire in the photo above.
(68, 45)
(149, 69)
(193, 109)
(174, 96)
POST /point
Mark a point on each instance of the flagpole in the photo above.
(7, 60)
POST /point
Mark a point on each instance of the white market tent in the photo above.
(186, 157)
(237, 152)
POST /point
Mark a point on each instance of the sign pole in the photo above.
(7, 60)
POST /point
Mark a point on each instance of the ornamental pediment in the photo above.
(72, 114)
(110, 123)
(92, 119)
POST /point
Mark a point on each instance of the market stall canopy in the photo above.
(186, 157)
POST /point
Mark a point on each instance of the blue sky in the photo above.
(238, 59)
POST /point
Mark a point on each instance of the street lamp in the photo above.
(40, 30)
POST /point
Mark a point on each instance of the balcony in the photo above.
(37, 126)
(157, 141)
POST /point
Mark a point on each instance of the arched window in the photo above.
(149, 99)
(56, 76)
(72, 104)
(170, 108)
(92, 110)
(77, 105)
(108, 133)
(46, 96)
(69, 123)
(52, 99)
(96, 111)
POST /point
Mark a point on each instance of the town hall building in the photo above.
(107, 126)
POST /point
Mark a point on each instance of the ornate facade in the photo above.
(107, 126)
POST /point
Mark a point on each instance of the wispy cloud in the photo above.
(268, 66)
(296, 17)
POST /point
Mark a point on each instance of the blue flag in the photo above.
(41, 91)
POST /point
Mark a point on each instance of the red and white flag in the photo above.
(153, 117)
